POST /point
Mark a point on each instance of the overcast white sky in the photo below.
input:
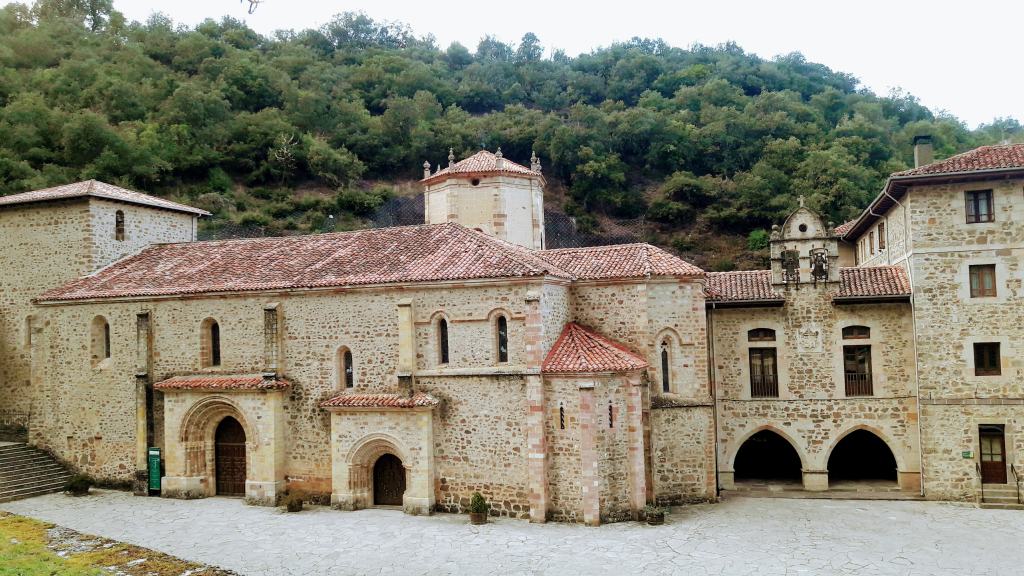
(964, 57)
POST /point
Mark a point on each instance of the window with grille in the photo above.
(857, 370)
(764, 379)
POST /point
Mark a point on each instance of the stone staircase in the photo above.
(1001, 497)
(26, 472)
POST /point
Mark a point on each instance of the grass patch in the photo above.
(29, 548)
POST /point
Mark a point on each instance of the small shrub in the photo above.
(682, 244)
(670, 212)
(654, 510)
(293, 501)
(723, 265)
(79, 484)
(757, 240)
(477, 504)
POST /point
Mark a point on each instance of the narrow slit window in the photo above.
(666, 377)
(215, 344)
(119, 226)
(611, 415)
(209, 343)
(561, 417)
(347, 368)
(442, 340)
(502, 339)
(106, 340)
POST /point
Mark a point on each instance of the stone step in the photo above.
(36, 483)
(33, 475)
(12, 447)
(30, 492)
(25, 459)
(21, 454)
(995, 506)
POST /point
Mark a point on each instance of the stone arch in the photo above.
(197, 430)
(344, 367)
(769, 428)
(209, 343)
(897, 457)
(440, 336)
(361, 459)
(494, 319)
(99, 341)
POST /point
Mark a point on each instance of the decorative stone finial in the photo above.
(800, 198)
(534, 161)
(498, 153)
(426, 169)
(499, 160)
(451, 157)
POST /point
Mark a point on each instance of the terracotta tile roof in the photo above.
(843, 228)
(378, 256)
(580, 350)
(222, 382)
(871, 281)
(96, 189)
(483, 162)
(983, 158)
(417, 400)
(859, 282)
(741, 286)
(619, 261)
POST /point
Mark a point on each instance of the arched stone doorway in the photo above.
(229, 458)
(388, 481)
(767, 457)
(861, 456)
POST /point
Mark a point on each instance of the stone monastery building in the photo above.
(411, 366)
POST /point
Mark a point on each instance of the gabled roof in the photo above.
(417, 400)
(424, 253)
(481, 163)
(580, 350)
(222, 382)
(96, 189)
(619, 261)
(872, 282)
(741, 286)
(983, 158)
(858, 283)
(843, 228)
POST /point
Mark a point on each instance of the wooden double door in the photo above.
(229, 455)
(993, 454)
(388, 481)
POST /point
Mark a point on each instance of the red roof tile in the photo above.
(417, 400)
(378, 256)
(741, 286)
(619, 261)
(222, 382)
(580, 350)
(871, 281)
(983, 158)
(481, 163)
(859, 282)
(96, 189)
(843, 228)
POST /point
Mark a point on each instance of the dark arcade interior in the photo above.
(860, 456)
(767, 456)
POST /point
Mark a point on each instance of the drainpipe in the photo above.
(913, 319)
(714, 391)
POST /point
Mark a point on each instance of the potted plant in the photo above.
(655, 514)
(79, 484)
(478, 509)
(293, 501)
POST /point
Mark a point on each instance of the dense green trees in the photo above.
(221, 116)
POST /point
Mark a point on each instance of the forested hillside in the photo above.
(706, 145)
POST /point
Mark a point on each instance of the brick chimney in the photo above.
(923, 153)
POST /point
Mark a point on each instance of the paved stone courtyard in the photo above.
(752, 536)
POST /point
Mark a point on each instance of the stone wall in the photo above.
(812, 409)
(683, 439)
(949, 322)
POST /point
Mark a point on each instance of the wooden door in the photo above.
(229, 454)
(388, 481)
(993, 455)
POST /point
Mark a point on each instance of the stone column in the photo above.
(589, 480)
(635, 429)
(815, 480)
(536, 440)
(143, 408)
(406, 338)
(273, 357)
